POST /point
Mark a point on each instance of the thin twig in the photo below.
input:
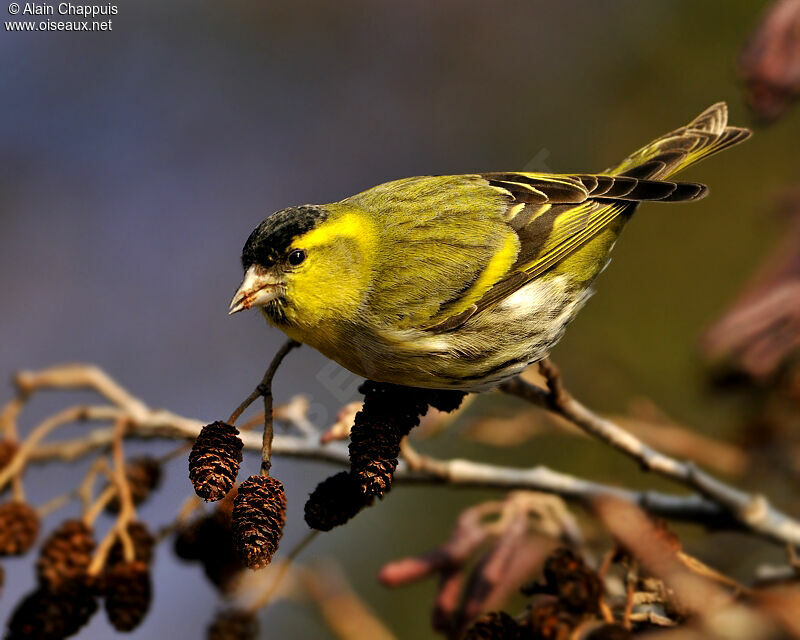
(55, 503)
(92, 512)
(126, 510)
(268, 375)
(17, 464)
(9, 414)
(264, 389)
(85, 489)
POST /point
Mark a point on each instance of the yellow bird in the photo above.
(461, 281)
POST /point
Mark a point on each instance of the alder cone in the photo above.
(214, 460)
(65, 555)
(445, 400)
(548, 620)
(335, 500)
(578, 587)
(19, 526)
(128, 593)
(389, 413)
(209, 540)
(374, 447)
(233, 625)
(46, 615)
(494, 626)
(259, 514)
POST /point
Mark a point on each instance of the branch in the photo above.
(453, 472)
(751, 511)
(715, 504)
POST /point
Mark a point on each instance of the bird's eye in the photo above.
(296, 257)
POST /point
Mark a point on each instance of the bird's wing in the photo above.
(445, 244)
(552, 217)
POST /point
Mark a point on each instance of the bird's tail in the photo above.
(707, 134)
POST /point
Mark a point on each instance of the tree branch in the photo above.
(751, 511)
(715, 504)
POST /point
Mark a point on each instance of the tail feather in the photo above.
(707, 134)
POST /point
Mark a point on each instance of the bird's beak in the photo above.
(257, 289)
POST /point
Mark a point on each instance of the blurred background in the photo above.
(136, 162)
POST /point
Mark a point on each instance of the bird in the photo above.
(459, 282)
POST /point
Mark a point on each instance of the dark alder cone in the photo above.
(46, 615)
(610, 631)
(143, 545)
(65, 556)
(209, 540)
(19, 526)
(444, 400)
(494, 626)
(187, 540)
(233, 625)
(259, 513)
(214, 460)
(128, 592)
(388, 415)
(144, 475)
(578, 587)
(334, 502)
(8, 450)
(547, 620)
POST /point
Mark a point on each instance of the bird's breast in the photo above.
(490, 347)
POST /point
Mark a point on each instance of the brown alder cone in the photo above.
(19, 526)
(494, 626)
(209, 540)
(547, 620)
(387, 416)
(233, 625)
(578, 588)
(144, 476)
(335, 500)
(259, 514)
(44, 614)
(65, 556)
(214, 460)
(128, 593)
(8, 450)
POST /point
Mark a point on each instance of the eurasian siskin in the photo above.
(461, 281)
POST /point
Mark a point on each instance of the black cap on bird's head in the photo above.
(271, 240)
(269, 253)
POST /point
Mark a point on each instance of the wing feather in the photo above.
(484, 236)
(554, 215)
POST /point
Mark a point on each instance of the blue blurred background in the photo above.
(136, 162)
